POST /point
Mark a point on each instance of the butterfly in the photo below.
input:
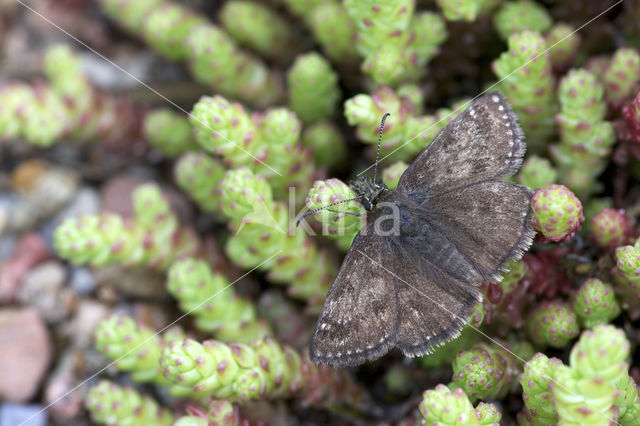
(410, 279)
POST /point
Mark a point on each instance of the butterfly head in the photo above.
(368, 191)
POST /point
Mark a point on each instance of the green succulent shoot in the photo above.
(211, 300)
(485, 371)
(595, 303)
(111, 404)
(441, 406)
(557, 212)
(153, 239)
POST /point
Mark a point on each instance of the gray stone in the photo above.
(101, 73)
(43, 288)
(52, 190)
(82, 281)
(22, 414)
(85, 202)
(7, 201)
(83, 325)
(7, 245)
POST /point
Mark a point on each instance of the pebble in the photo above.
(25, 353)
(101, 73)
(133, 282)
(7, 201)
(82, 281)
(27, 175)
(153, 315)
(85, 321)
(30, 250)
(43, 288)
(85, 202)
(116, 197)
(43, 190)
(116, 194)
(63, 399)
(7, 245)
(22, 414)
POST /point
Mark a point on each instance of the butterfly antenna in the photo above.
(325, 207)
(375, 170)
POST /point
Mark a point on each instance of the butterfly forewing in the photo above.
(358, 318)
(484, 142)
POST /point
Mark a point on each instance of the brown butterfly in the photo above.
(411, 275)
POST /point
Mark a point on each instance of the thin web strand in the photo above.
(466, 104)
(275, 171)
(101, 56)
(207, 300)
(560, 385)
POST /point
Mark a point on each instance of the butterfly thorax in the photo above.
(368, 190)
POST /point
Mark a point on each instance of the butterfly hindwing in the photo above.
(358, 318)
(488, 222)
(484, 142)
(430, 313)
(393, 299)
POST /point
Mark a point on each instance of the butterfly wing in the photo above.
(484, 142)
(433, 306)
(453, 242)
(358, 318)
(489, 223)
(416, 290)
(386, 295)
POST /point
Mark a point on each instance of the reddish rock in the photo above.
(25, 353)
(63, 399)
(30, 251)
(116, 197)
